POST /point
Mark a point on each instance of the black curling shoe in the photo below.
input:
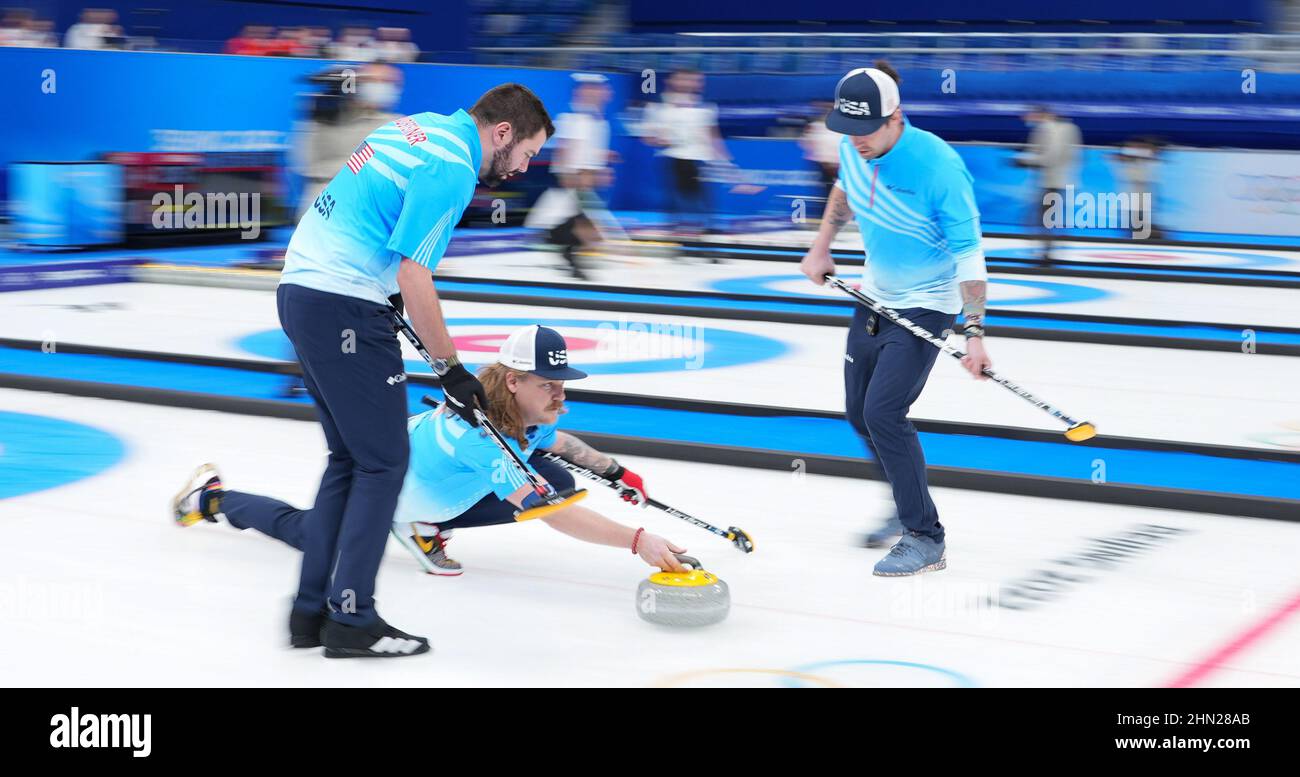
(305, 628)
(378, 640)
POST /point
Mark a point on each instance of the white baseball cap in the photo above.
(864, 100)
(539, 350)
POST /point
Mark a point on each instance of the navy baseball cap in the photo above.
(541, 351)
(864, 100)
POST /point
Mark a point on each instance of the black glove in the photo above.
(462, 388)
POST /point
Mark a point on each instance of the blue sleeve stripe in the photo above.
(442, 134)
(443, 146)
(447, 155)
(424, 252)
(398, 154)
(419, 154)
(873, 216)
(882, 216)
(875, 219)
(887, 210)
(516, 477)
(883, 193)
(432, 148)
(382, 168)
(887, 204)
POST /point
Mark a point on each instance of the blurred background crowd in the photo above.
(713, 111)
(100, 28)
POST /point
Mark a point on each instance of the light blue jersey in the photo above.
(399, 194)
(920, 225)
(453, 465)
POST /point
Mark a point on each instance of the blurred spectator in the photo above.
(354, 44)
(686, 130)
(314, 42)
(15, 27)
(97, 30)
(336, 125)
(581, 164)
(289, 43)
(261, 40)
(821, 146)
(1053, 151)
(1138, 159)
(114, 37)
(252, 40)
(394, 45)
(41, 34)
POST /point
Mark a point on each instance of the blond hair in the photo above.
(502, 410)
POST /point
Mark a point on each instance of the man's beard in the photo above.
(869, 154)
(500, 167)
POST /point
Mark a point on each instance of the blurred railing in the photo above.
(821, 52)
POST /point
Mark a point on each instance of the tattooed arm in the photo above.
(817, 262)
(972, 305)
(572, 449)
(632, 487)
(837, 214)
(973, 297)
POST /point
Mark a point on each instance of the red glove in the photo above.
(632, 488)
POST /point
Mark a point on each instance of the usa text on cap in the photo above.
(539, 350)
(864, 100)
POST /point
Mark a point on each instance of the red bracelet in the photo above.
(636, 538)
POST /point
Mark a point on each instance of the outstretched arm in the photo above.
(575, 450)
(570, 448)
(590, 526)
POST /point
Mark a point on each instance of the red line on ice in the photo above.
(1237, 645)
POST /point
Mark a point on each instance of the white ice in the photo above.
(1158, 300)
(100, 588)
(1226, 398)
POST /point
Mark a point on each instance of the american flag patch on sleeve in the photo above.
(359, 157)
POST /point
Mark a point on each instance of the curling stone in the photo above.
(692, 598)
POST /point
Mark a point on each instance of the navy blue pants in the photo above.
(290, 525)
(883, 375)
(352, 367)
(688, 195)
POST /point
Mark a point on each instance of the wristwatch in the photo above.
(972, 330)
(443, 366)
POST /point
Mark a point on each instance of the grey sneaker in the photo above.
(912, 555)
(889, 531)
(428, 544)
